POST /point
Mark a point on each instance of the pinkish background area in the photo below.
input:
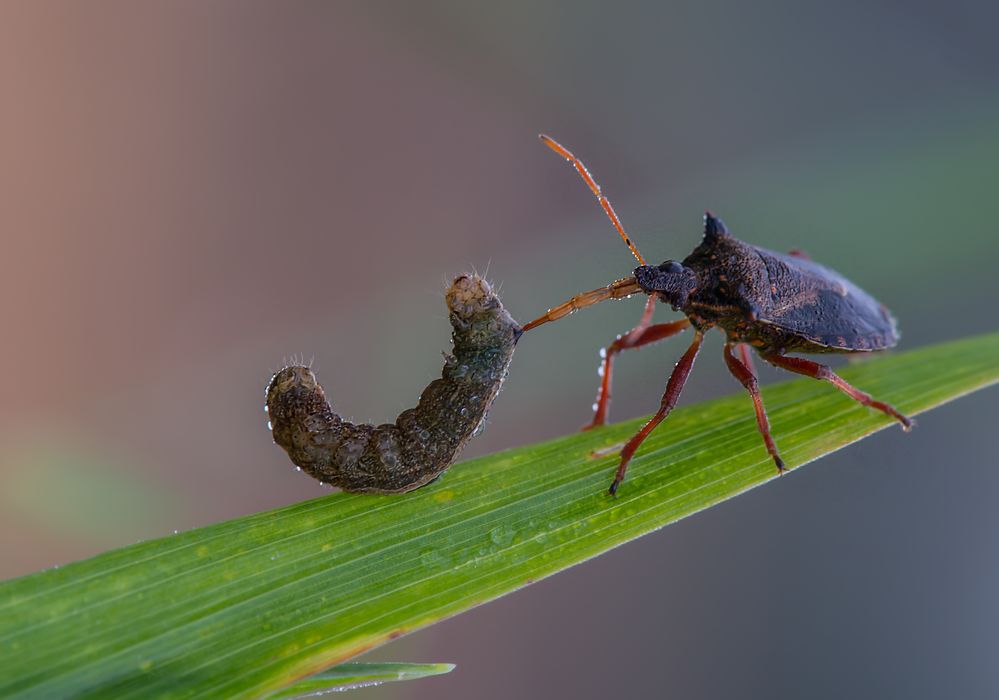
(190, 192)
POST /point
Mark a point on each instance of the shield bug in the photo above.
(773, 302)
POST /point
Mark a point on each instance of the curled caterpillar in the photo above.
(424, 441)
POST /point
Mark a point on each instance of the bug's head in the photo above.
(671, 281)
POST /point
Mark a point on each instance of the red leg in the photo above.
(747, 377)
(813, 369)
(642, 334)
(746, 358)
(673, 388)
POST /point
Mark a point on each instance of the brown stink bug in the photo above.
(774, 302)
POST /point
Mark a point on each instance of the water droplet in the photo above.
(603, 351)
(595, 406)
(269, 426)
(432, 559)
(600, 371)
(266, 409)
(501, 535)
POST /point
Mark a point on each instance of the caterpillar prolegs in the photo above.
(424, 441)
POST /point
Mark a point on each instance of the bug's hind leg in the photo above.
(809, 368)
(642, 334)
(673, 388)
(743, 371)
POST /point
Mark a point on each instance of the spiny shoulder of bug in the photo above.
(719, 258)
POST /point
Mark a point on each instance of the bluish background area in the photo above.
(191, 192)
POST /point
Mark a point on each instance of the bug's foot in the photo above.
(780, 465)
(903, 419)
(597, 422)
(613, 487)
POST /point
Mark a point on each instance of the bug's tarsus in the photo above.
(673, 388)
(595, 189)
(816, 370)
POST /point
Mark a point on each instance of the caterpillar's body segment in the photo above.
(424, 441)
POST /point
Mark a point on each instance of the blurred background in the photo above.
(191, 192)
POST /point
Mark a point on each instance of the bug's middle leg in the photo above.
(642, 334)
(810, 368)
(743, 371)
(673, 388)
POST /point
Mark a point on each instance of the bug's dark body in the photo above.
(772, 301)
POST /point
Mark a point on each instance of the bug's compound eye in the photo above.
(671, 266)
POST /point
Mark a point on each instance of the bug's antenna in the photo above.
(595, 188)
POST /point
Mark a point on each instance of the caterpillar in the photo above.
(424, 441)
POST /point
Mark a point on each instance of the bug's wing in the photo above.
(822, 306)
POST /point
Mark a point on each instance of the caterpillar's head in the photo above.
(474, 306)
(294, 390)
(470, 295)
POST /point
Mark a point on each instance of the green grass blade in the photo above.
(357, 675)
(246, 607)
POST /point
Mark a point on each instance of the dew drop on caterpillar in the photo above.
(424, 441)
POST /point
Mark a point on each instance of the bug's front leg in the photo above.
(643, 334)
(810, 368)
(673, 388)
